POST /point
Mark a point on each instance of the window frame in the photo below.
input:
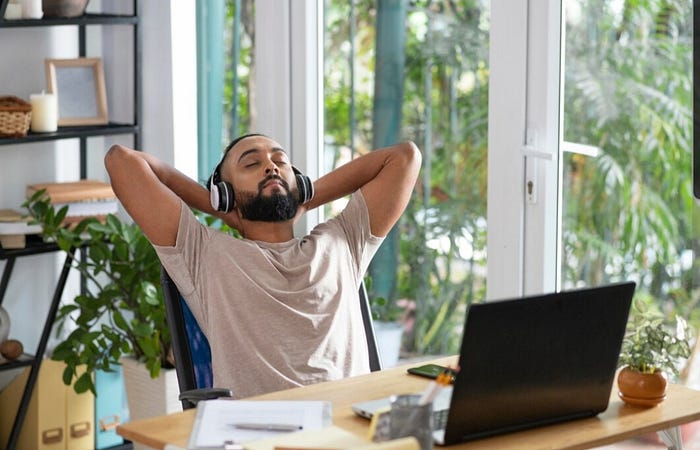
(524, 142)
(289, 97)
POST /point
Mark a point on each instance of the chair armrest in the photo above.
(195, 395)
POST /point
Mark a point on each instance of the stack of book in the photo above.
(14, 227)
(84, 198)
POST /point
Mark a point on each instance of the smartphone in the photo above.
(430, 371)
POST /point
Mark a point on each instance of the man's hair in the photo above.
(215, 176)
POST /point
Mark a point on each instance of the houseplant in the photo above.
(119, 311)
(651, 352)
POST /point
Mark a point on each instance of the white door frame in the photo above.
(289, 82)
(524, 165)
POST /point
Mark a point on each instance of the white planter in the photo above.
(149, 397)
(388, 336)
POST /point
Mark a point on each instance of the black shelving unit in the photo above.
(35, 245)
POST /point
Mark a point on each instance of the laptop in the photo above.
(532, 361)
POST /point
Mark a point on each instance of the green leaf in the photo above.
(84, 383)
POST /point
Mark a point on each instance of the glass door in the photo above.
(628, 211)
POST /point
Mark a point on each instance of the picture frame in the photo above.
(79, 86)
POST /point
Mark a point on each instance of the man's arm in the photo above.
(151, 190)
(386, 178)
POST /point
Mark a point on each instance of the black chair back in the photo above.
(375, 362)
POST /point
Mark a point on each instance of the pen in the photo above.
(434, 387)
(267, 426)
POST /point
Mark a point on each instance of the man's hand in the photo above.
(386, 177)
(151, 192)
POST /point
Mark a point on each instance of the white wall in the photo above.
(169, 126)
(31, 287)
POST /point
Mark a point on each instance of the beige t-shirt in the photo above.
(277, 315)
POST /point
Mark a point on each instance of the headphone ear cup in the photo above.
(214, 196)
(306, 188)
(221, 196)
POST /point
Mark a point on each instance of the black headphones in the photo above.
(221, 192)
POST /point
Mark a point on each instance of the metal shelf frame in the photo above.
(35, 246)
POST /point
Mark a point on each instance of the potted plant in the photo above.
(119, 311)
(651, 352)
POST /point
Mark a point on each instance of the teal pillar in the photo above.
(210, 83)
(386, 117)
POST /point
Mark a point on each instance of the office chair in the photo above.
(190, 348)
(193, 354)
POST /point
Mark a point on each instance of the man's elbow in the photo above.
(118, 159)
(115, 154)
(411, 156)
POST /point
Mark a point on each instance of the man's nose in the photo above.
(272, 168)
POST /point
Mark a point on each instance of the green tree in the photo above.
(629, 212)
(441, 263)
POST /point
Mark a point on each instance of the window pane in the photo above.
(441, 250)
(628, 207)
(225, 40)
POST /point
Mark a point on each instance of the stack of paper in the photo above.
(84, 198)
(14, 226)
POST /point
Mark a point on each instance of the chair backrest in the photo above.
(374, 362)
(191, 348)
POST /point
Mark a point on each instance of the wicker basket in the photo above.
(15, 117)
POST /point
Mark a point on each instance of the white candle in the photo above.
(44, 112)
(13, 11)
(31, 9)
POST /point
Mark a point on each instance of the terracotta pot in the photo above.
(641, 389)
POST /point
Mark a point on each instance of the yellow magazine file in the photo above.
(44, 425)
(57, 418)
(80, 419)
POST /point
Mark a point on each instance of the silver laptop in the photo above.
(532, 361)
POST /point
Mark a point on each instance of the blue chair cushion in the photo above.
(199, 349)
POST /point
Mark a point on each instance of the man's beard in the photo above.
(277, 207)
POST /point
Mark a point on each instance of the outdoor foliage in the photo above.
(629, 212)
(443, 232)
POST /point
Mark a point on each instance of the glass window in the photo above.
(225, 62)
(434, 263)
(628, 207)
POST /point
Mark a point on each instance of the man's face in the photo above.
(263, 181)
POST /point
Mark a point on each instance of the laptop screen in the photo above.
(537, 360)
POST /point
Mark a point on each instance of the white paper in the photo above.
(216, 419)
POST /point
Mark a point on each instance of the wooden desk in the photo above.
(617, 423)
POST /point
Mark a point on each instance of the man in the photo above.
(278, 312)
